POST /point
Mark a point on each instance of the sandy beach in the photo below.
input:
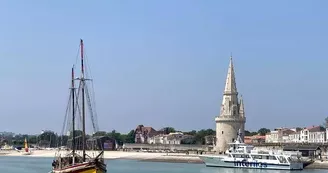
(142, 156)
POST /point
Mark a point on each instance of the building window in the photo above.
(222, 132)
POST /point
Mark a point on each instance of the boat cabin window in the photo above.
(257, 156)
(238, 156)
(282, 159)
(272, 158)
(241, 156)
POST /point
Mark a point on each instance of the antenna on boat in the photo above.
(239, 139)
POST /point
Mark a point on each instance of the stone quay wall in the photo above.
(166, 147)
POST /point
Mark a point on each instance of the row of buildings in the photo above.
(313, 134)
(148, 135)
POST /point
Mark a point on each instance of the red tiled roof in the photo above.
(247, 140)
(147, 130)
(316, 129)
(258, 137)
(310, 127)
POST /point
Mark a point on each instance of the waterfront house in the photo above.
(313, 134)
(317, 134)
(278, 135)
(171, 138)
(143, 134)
(258, 139)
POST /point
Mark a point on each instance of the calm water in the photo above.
(43, 165)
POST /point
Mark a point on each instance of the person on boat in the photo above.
(54, 164)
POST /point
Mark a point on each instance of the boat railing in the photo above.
(275, 152)
(260, 152)
(294, 153)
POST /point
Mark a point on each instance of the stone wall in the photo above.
(226, 132)
(172, 147)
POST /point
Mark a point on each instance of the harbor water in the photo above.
(43, 165)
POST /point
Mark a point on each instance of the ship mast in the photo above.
(83, 103)
(73, 115)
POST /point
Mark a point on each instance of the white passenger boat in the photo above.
(241, 155)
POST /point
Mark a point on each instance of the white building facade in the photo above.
(172, 138)
(295, 137)
(317, 134)
(314, 134)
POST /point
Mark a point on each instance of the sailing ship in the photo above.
(78, 156)
(241, 155)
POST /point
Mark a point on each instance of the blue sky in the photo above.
(164, 63)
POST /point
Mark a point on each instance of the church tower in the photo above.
(232, 115)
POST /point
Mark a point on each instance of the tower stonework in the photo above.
(232, 115)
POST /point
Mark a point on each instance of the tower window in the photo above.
(222, 132)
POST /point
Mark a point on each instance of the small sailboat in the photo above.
(26, 148)
(80, 156)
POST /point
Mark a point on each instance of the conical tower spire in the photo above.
(229, 105)
(230, 85)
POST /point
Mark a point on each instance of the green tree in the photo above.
(48, 139)
(248, 133)
(129, 138)
(62, 140)
(170, 130)
(99, 133)
(32, 139)
(298, 129)
(200, 135)
(326, 122)
(263, 131)
(77, 133)
(117, 136)
(193, 133)
(189, 141)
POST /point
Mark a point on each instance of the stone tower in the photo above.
(232, 115)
